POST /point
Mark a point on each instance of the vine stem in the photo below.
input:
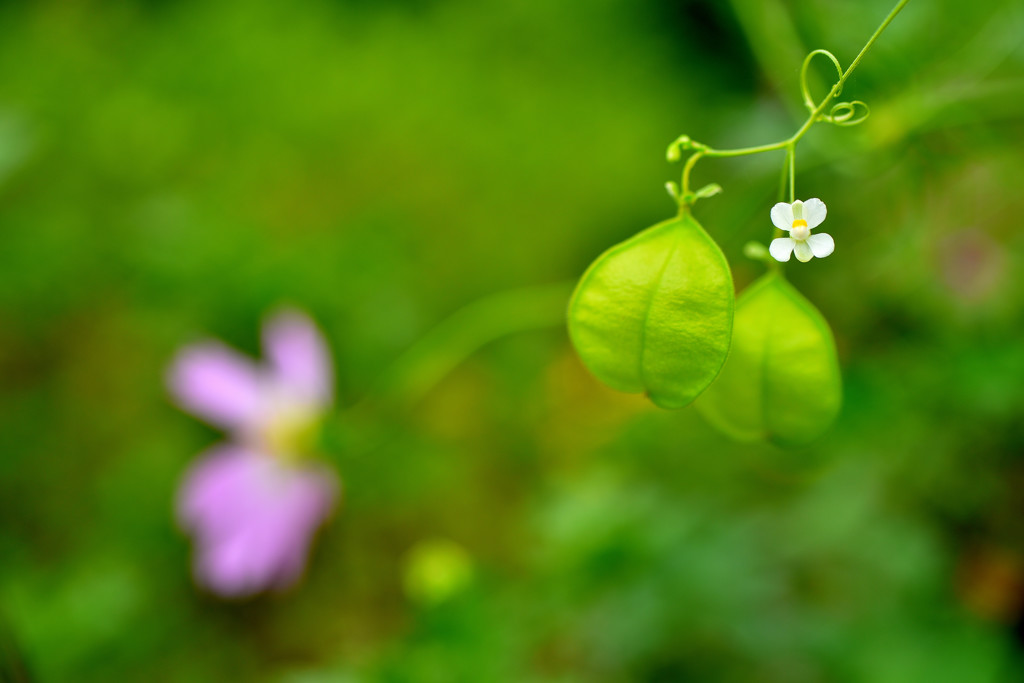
(789, 143)
(791, 162)
(453, 340)
(786, 179)
(687, 168)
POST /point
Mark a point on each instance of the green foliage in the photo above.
(172, 169)
(654, 313)
(781, 381)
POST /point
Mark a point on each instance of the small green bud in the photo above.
(675, 149)
(435, 570)
(756, 251)
(709, 190)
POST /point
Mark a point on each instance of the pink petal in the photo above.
(253, 518)
(208, 500)
(218, 384)
(299, 358)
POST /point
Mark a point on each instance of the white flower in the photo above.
(798, 219)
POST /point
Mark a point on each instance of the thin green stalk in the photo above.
(791, 160)
(871, 41)
(743, 151)
(687, 168)
(784, 177)
(789, 143)
(442, 349)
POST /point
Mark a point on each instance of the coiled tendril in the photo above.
(841, 113)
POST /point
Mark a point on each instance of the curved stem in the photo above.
(437, 353)
(871, 41)
(743, 151)
(790, 142)
(685, 197)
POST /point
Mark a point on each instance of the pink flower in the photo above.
(253, 517)
(254, 505)
(264, 406)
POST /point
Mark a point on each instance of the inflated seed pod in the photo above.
(781, 382)
(654, 313)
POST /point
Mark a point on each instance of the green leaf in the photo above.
(654, 313)
(781, 382)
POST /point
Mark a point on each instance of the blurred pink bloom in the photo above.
(254, 505)
(253, 517)
(253, 402)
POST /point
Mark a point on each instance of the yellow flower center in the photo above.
(292, 435)
(800, 231)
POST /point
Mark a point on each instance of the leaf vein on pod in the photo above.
(650, 304)
(769, 334)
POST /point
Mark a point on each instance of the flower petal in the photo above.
(803, 251)
(782, 216)
(218, 384)
(299, 358)
(781, 248)
(814, 212)
(253, 518)
(208, 500)
(821, 244)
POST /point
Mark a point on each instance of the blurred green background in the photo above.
(174, 169)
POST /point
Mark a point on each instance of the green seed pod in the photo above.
(654, 313)
(781, 382)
